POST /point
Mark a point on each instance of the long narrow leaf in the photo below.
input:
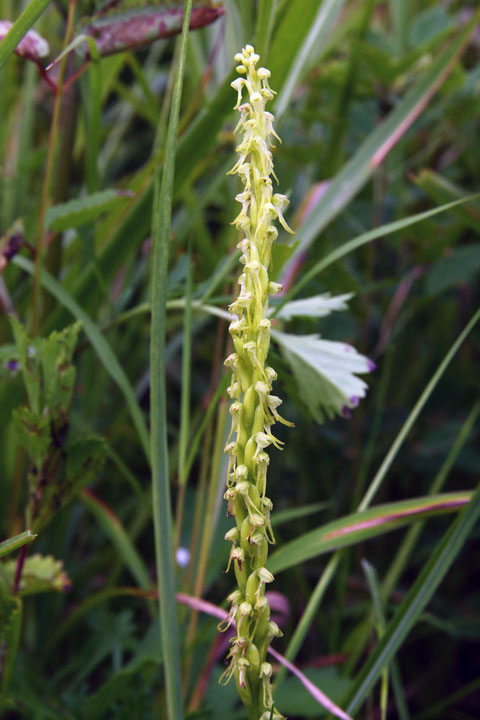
(15, 542)
(363, 239)
(414, 413)
(114, 529)
(161, 222)
(357, 171)
(362, 526)
(317, 33)
(414, 603)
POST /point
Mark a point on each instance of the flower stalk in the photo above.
(253, 408)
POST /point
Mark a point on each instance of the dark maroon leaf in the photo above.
(118, 31)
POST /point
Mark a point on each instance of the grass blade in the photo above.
(357, 171)
(404, 551)
(186, 378)
(380, 623)
(319, 30)
(114, 529)
(263, 31)
(15, 542)
(161, 221)
(363, 239)
(362, 526)
(418, 407)
(414, 603)
(20, 28)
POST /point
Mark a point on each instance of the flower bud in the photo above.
(245, 609)
(233, 535)
(264, 575)
(274, 288)
(235, 597)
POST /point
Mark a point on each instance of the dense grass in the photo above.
(111, 205)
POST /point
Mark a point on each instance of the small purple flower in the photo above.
(13, 366)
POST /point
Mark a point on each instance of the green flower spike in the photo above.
(253, 408)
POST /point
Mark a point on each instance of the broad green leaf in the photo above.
(325, 373)
(100, 345)
(459, 266)
(117, 534)
(361, 526)
(27, 357)
(15, 542)
(41, 573)
(84, 210)
(58, 374)
(357, 171)
(85, 459)
(46, 368)
(414, 603)
(428, 24)
(34, 435)
(20, 28)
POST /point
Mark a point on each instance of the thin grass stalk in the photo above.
(207, 527)
(161, 223)
(405, 549)
(184, 405)
(186, 377)
(399, 692)
(417, 598)
(408, 543)
(205, 430)
(414, 413)
(309, 613)
(327, 575)
(359, 241)
(47, 178)
(380, 623)
(200, 503)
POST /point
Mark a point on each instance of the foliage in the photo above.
(377, 108)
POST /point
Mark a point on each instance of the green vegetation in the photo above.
(119, 265)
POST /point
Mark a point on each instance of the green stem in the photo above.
(47, 179)
(161, 223)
